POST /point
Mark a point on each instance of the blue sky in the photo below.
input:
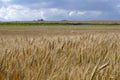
(18, 10)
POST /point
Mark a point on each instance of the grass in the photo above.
(87, 56)
(59, 23)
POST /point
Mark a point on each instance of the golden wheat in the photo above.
(88, 56)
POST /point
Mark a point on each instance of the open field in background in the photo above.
(60, 53)
(56, 30)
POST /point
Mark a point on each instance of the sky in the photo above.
(24, 10)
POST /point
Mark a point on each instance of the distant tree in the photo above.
(40, 19)
(63, 20)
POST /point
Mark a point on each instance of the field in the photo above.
(72, 52)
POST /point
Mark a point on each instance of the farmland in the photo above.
(64, 52)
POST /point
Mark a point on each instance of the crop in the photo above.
(88, 56)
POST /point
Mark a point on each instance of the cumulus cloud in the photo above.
(84, 13)
(19, 12)
(59, 9)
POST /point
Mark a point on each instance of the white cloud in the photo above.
(77, 13)
(18, 12)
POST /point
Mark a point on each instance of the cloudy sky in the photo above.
(15, 10)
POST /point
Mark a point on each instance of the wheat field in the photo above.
(71, 53)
